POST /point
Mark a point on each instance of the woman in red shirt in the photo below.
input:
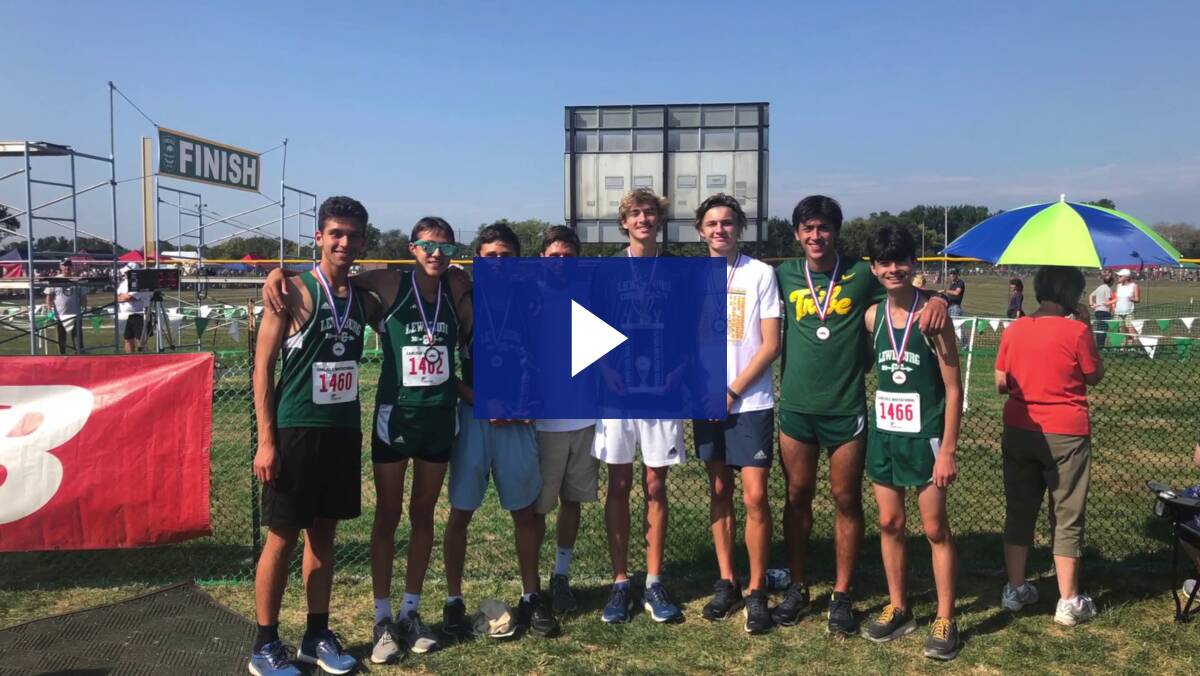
(1045, 364)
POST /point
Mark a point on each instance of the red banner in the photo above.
(102, 452)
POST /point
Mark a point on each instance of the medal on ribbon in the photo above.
(339, 323)
(822, 308)
(898, 375)
(430, 327)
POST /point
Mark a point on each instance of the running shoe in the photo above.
(891, 624)
(455, 623)
(726, 600)
(758, 618)
(1016, 599)
(659, 605)
(561, 595)
(536, 615)
(794, 605)
(943, 643)
(324, 650)
(841, 615)
(420, 639)
(619, 606)
(1071, 613)
(272, 660)
(386, 644)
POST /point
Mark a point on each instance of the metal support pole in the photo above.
(945, 243)
(283, 205)
(74, 210)
(29, 250)
(112, 178)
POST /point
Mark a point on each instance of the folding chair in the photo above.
(1183, 512)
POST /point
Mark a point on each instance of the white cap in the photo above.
(132, 265)
(1124, 272)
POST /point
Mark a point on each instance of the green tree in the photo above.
(1182, 236)
(1103, 202)
(391, 244)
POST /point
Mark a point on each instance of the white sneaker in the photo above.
(1016, 599)
(1188, 587)
(1071, 613)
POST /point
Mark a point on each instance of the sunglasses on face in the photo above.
(446, 248)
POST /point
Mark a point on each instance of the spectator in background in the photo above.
(131, 309)
(955, 290)
(1101, 299)
(1126, 297)
(918, 280)
(68, 302)
(1016, 299)
(1045, 363)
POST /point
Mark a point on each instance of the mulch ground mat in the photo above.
(177, 630)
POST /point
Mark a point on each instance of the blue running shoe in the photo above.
(620, 604)
(659, 605)
(324, 651)
(272, 660)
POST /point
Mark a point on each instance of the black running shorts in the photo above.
(320, 477)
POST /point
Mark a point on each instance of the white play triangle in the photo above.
(591, 338)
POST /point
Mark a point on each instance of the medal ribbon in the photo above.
(732, 271)
(430, 327)
(338, 322)
(898, 351)
(822, 308)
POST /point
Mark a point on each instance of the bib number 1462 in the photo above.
(425, 366)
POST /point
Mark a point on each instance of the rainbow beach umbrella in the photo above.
(1064, 233)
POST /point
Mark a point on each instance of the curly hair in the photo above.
(343, 209)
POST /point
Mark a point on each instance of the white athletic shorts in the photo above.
(661, 441)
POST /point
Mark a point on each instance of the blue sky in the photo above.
(456, 108)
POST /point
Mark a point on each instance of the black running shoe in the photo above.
(758, 618)
(536, 616)
(794, 605)
(891, 624)
(726, 600)
(455, 623)
(942, 643)
(841, 615)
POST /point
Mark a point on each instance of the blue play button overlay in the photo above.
(599, 337)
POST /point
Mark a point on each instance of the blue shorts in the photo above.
(740, 440)
(506, 453)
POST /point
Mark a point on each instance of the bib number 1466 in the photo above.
(898, 412)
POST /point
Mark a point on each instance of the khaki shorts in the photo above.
(568, 469)
(1034, 462)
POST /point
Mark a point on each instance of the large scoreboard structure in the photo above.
(685, 152)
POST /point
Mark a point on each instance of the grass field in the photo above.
(1144, 416)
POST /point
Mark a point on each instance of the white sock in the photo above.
(526, 596)
(452, 599)
(410, 604)
(651, 579)
(562, 561)
(383, 609)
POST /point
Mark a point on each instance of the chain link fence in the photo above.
(1144, 417)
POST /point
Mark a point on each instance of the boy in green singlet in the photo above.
(913, 439)
(424, 312)
(309, 437)
(822, 398)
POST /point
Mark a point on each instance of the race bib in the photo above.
(898, 412)
(334, 382)
(424, 366)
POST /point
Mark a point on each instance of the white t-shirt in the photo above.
(135, 306)
(753, 295)
(1125, 298)
(563, 425)
(1100, 298)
